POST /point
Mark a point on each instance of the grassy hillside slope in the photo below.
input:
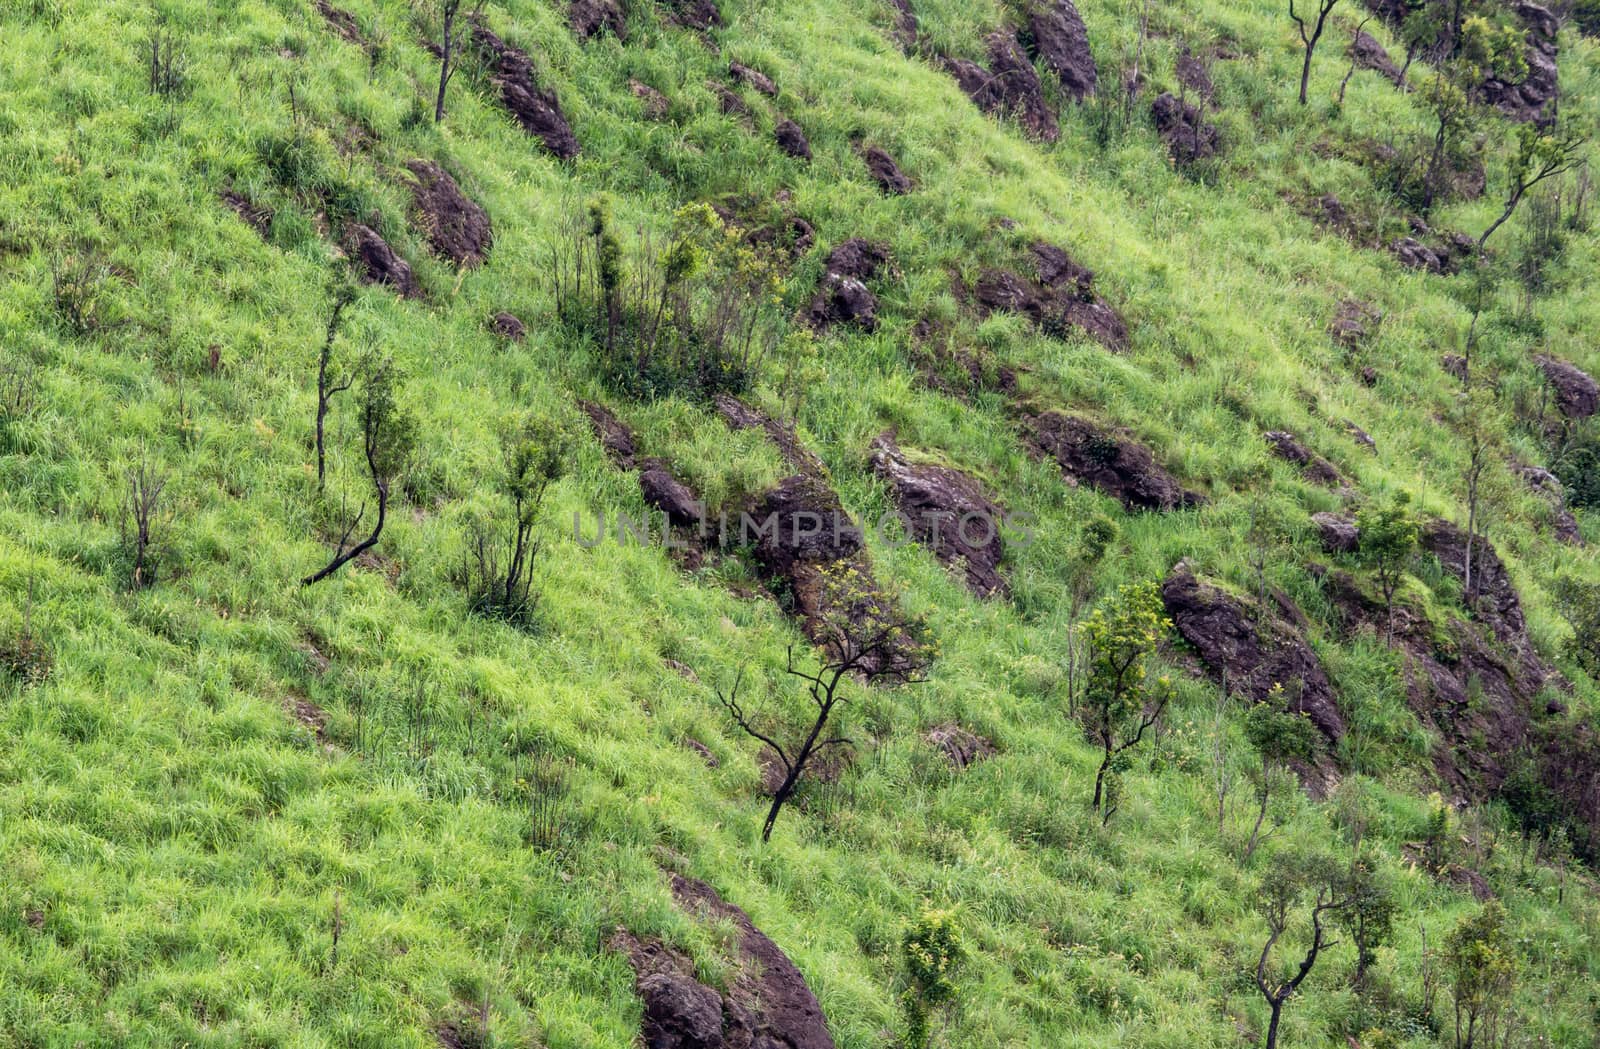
(241, 812)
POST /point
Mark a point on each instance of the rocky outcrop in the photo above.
(1009, 87)
(906, 29)
(1060, 301)
(1577, 396)
(703, 15)
(842, 296)
(590, 18)
(1531, 100)
(753, 78)
(378, 261)
(792, 140)
(1113, 463)
(741, 416)
(1252, 651)
(343, 23)
(257, 216)
(457, 228)
(615, 436)
(1189, 137)
(508, 326)
(767, 1005)
(885, 172)
(948, 512)
(1287, 447)
(1354, 322)
(961, 747)
(1562, 523)
(1055, 34)
(535, 108)
(1367, 53)
(1338, 533)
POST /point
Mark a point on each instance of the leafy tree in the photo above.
(1540, 155)
(1119, 704)
(1579, 602)
(866, 642)
(1309, 37)
(1369, 915)
(448, 59)
(498, 573)
(1481, 963)
(1389, 536)
(1096, 537)
(934, 952)
(1279, 737)
(1477, 49)
(388, 434)
(1285, 887)
(327, 385)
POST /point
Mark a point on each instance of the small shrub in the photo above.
(933, 951)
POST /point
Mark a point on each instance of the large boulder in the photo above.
(948, 512)
(535, 108)
(1577, 395)
(1060, 299)
(1113, 463)
(1056, 35)
(842, 296)
(457, 228)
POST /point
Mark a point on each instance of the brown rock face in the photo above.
(1288, 448)
(753, 78)
(590, 18)
(703, 15)
(379, 262)
(1250, 656)
(1338, 533)
(1056, 35)
(457, 229)
(1577, 395)
(885, 171)
(792, 140)
(1368, 53)
(1532, 100)
(508, 326)
(842, 296)
(258, 216)
(1116, 465)
(1060, 301)
(1188, 136)
(949, 513)
(535, 108)
(1009, 87)
(615, 436)
(1562, 523)
(906, 29)
(961, 747)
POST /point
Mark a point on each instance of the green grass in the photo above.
(174, 845)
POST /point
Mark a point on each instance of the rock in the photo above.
(1338, 533)
(948, 512)
(1353, 323)
(1057, 36)
(1360, 436)
(753, 78)
(727, 101)
(961, 747)
(702, 750)
(1062, 300)
(1251, 654)
(1195, 75)
(680, 1012)
(703, 15)
(1315, 468)
(1367, 53)
(615, 436)
(1563, 524)
(533, 107)
(1532, 100)
(1413, 254)
(1009, 87)
(792, 140)
(1455, 366)
(906, 29)
(785, 1014)
(380, 264)
(655, 103)
(885, 171)
(741, 416)
(1577, 395)
(508, 326)
(257, 216)
(802, 521)
(1368, 376)
(457, 228)
(672, 497)
(1116, 465)
(590, 18)
(842, 296)
(344, 23)
(1188, 136)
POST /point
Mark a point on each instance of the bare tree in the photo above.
(326, 386)
(388, 434)
(874, 650)
(448, 59)
(141, 512)
(1309, 37)
(1355, 40)
(1539, 157)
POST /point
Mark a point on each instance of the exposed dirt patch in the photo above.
(535, 108)
(1287, 447)
(457, 228)
(792, 139)
(590, 18)
(1189, 137)
(703, 751)
(508, 326)
(257, 216)
(961, 747)
(1577, 395)
(1194, 73)
(344, 24)
(1061, 300)
(906, 29)
(1055, 34)
(885, 172)
(1009, 87)
(948, 512)
(1112, 462)
(308, 714)
(1251, 650)
(378, 261)
(842, 296)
